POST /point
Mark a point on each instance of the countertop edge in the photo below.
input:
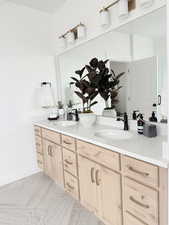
(163, 164)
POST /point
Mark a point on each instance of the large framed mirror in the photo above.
(138, 49)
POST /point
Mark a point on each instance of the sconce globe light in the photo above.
(70, 38)
(146, 3)
(123, 8)
(104, 18)
(81, 31)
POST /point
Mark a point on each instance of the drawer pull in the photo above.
(139, 203)
(138, 172)
(50, 150)
(39, 162)
(67, 143)
(92, 175)
(70, 186)
(68, 162)
(97, 178)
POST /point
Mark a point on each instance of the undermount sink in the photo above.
(66, 123)
(114, 134)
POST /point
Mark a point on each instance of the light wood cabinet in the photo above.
(132, 220)
(53, 165)
(141, 201)
(51, 136)
(110, 196)
(87, 183)
(118, 189)
(68, 142)
(100, 191)
(69, 162)
(71, 185)
(140, 171)
(102, 156)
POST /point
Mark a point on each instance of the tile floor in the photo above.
(37, 200)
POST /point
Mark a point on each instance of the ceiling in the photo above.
(49, 6)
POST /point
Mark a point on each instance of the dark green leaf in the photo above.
(93, 103)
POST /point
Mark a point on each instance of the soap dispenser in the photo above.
(140, 123)
(134, 115)
(153, 117)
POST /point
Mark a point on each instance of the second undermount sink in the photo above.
(66, 123)
(114, 134)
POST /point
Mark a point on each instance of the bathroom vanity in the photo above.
(120, 185)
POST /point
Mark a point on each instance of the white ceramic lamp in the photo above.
(104, 18)
(81, 31)
(70, 38)
(123, 8)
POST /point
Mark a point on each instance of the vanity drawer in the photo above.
(131, 220)
(68, 142)
(69, 161)
(51, 136)
(71, 185)
(141, 201)
(38, 131)
(106, 157)
(38, 142)
(140, 171)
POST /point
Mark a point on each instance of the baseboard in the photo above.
(16, 177)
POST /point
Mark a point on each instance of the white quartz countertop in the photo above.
(139, 146)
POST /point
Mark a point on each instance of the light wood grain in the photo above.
(110, 197)
(51, 136)
(87, 183)
(68, 142)
(140, 171)
(131, 220)
(71, 185)
(70, 162)
(141, 201)
(38, 131)
(53, 165)
(103, 156)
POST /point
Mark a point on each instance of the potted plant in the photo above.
(87, 92)
(107, 84)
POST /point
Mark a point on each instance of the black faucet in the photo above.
(76, 114)
(125, 120)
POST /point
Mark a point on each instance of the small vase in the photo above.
(87, 119)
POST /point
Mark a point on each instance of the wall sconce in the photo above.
(104, 14)
(104, 17)
(81, 31)
(123, 8)
(73, 34)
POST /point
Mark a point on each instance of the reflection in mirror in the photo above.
(139, 50)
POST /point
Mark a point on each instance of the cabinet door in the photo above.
(109, 196)
(53, 161)
(87, 182)
(57, 164)
(47, 157)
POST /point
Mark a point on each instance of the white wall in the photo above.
(25, 61)
(87, 12)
